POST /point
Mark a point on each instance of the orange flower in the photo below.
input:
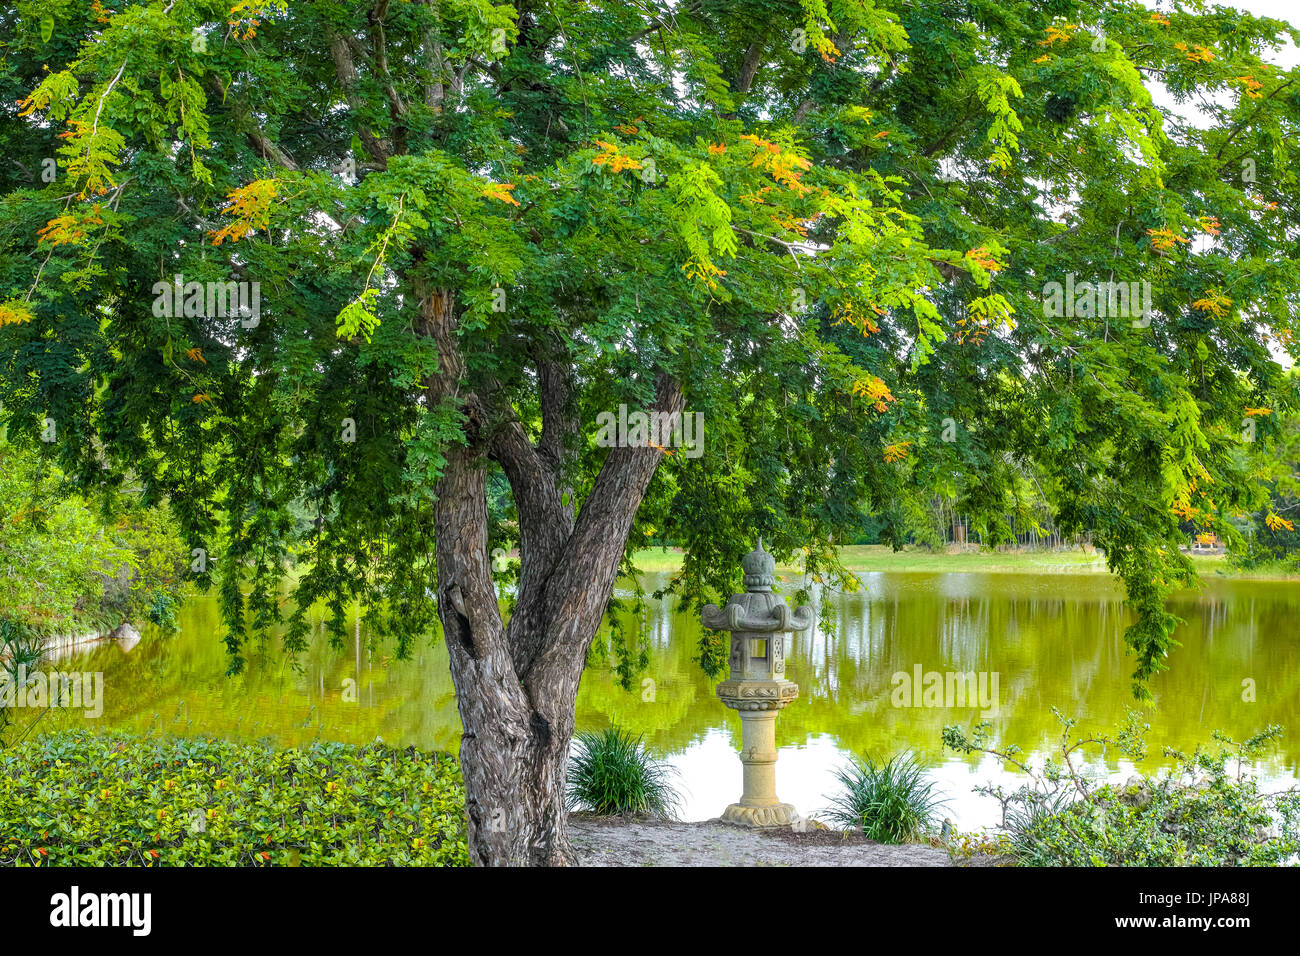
(875, 391)
(848, 311)
(981, 256)
(1057, 34)
(785, 168)
(611, 157)
(501, 193)
(1200, 55)
(1164, 239)
(1214, 302)
(14, 313)
(69, 229)
(251, 207)
(757, 141)
(705, 272)
(896, 452)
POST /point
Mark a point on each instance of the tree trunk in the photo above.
(514, 765)
(516, 684)
(513, 758)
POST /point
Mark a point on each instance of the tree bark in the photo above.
(512, 764)
(516, 685)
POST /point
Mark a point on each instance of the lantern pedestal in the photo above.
(759, 806)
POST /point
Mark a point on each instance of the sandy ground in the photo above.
(605, 842)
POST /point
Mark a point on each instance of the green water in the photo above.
(1052, 640)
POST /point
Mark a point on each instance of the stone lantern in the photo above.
(756, 687)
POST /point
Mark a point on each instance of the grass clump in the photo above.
(890, 802)
(610, 773)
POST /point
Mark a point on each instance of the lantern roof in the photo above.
(757, 609)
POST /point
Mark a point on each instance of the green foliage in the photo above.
(1272, 539)
(835, 246)
(20, 651)
(889, 802)
(1205, 811)
(79, 799)
(610, 772)
(69, 565)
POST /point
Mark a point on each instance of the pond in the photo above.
(1044, 641)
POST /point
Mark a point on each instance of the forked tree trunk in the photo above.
(512, 757)
(516, 687)
(517, 683)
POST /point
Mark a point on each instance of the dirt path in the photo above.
(601, 842)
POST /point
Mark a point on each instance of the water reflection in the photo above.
(1053, 640)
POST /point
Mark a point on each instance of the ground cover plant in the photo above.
(80, 799)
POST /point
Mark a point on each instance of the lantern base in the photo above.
(777, 815)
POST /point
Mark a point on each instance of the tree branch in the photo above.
(749, 68)
(345, 67)
(558, 421)
(256, 136)
(578, 589)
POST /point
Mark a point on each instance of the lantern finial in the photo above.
(759, 568)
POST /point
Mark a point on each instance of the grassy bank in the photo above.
(80, 799)
(871, 557)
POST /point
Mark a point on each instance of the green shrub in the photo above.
(79, 799)
(1157, 823)
(611, 773)
(889, 802)
(80, 561)
(1206, 811)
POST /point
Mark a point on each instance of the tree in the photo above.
(461, 231)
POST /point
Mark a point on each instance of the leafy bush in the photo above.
(68, 563)
(889, 802)
(611, 773)
(1205, 811)
(78, 799)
